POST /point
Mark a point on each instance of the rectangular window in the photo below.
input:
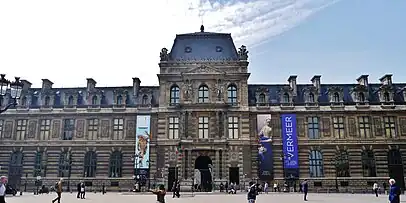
(313, 127)
(45, 129)
(92, 128)
(338, 125)
(118, 128)
(364, 126)
(68, 129)
(233, 127)
(173, 128)
(21, 129)
(1, 128)
(203, 127)
(390, 126)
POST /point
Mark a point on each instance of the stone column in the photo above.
(218, 134)
(187, 117)
(217, 165)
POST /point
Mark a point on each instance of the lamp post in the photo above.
(335, 164)
(15, 90)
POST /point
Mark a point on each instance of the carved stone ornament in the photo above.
(164, 54)
(218, 89)
(188, 89)
(243, 53)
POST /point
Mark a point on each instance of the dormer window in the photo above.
(261, 98)
(219, 49)
(24, 101)
(70, 100)
(94, 100)
(361, 97)
(386, 97)
(188, 49)
(311, 97)
(47, 101)
(286, 98)
(119, 100)
(336, 97)
(144, 100)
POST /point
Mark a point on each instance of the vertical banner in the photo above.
(143, 135)
(289, 141)
(265, 155)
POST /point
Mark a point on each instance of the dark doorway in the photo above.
(234, 175)
(172, 176)
(395, 167)
(204, 165)
(15, 169)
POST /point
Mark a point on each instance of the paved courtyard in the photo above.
(200, 198)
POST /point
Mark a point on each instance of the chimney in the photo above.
(26, 84)
(363, 80)
(293, 84)
(386, 79)
(46, 84)
(136, 86)
(316, 82)
(91, 84)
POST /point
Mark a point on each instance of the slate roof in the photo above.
(203, 46)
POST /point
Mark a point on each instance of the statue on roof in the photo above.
(243, 53)
(164, 54)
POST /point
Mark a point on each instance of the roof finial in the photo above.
(202, 26)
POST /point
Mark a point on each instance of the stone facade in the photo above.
(204, 107)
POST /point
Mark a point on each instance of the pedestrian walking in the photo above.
(266, 188)
(275, 186)
(78, 188)
(394, 192)
(160, 194)
(3, 181)
(82, 191)
(58, 188)
(252, 192)
(375, 189)
(305, 187)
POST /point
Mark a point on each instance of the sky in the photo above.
(113, 41)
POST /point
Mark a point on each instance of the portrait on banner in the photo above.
(265, 156)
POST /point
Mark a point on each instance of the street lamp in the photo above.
(335, 164)
(15, 90)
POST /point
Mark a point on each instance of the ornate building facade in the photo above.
(202, 126)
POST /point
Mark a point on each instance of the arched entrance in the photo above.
(203, 178)
(395, 167)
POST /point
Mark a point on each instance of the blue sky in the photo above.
(345, 40)
(111, 42)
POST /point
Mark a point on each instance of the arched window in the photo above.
(232, 94)
(316, 164)
(336, 97)
(145, 100)
(342, 164)
(24, 101)
(47, 101)
(94, 100)
(386, 97)
(40, 164)
(261, 98)
(203, 94)
(90, 164)
(119, 100)
(174, 95)
(368, 163)
(311, 97)
(15, 170)
(116, 165)
(286, 98)
(70, 100)
(64, 164)
(361, 97)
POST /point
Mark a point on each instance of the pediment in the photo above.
(205, 70)
(359, 88)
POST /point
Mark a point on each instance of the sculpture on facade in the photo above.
(218, 88)
(188, 90)
(243, 53)
(164, 55)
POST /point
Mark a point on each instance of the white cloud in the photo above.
(112, 41)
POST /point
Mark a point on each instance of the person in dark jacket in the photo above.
(160, 194)
(305, 188)
(78, 189)
(394, 192)
(252, 192)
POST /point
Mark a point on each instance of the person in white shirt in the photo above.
(375, 188)
(3, 181)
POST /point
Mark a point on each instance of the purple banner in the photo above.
(289, 141)
(265, 156)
